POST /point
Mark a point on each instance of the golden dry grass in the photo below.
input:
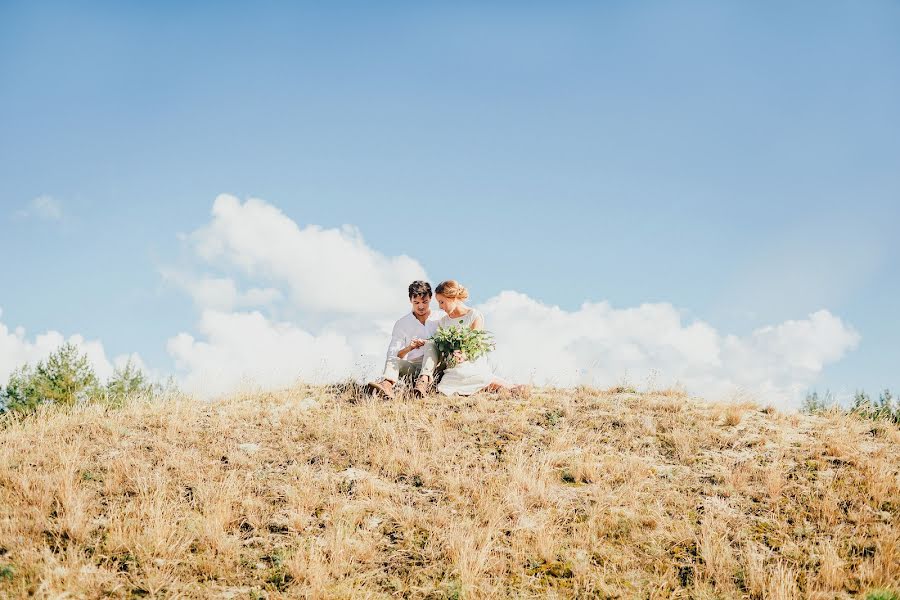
(320, 493)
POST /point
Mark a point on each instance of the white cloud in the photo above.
(248, 347)
(43, 207)
(221, 293)
(322, 270)
(601, 345)
(347, 295)
(16, 349)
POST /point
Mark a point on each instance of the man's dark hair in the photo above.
(419, 288)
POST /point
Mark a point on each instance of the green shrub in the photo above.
(882, 595)
(127, 381)
(885, 407)
(812, 404)
(66, 378)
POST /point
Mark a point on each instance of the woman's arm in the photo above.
(478, 323)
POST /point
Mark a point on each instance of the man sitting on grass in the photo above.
(405, 352)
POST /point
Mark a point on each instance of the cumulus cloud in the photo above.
(16, 349)
(310, 269)
(43, 207)
(221, 293)
(601, 345)
(320, 269)
(249, 348)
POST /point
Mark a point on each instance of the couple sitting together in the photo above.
(413, 355)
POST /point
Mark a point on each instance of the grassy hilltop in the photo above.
(317, 492)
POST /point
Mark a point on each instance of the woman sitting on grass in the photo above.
(464, 375)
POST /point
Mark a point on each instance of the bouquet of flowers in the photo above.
(459, 343)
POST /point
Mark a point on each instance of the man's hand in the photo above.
(415, 343)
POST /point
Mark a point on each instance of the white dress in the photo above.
(470, 376)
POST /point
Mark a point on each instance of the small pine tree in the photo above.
(127, 381)
(861, 402)
(20, 392)
(65, 378)
(884, 408)
(812, 404)
(888, 407)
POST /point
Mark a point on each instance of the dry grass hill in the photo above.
(322, 493)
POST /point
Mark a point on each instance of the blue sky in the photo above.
(740, 161)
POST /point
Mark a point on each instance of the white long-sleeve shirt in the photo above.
(407, 328)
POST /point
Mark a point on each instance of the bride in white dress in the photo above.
(469, 376)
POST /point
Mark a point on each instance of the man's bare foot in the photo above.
(383, 388)
(423, 385)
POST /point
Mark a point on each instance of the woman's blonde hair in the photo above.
(452, 289)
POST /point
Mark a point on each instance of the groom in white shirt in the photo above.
(406, 352)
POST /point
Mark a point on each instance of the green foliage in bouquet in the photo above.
(472, 343)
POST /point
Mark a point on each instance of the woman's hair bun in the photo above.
(452, 289)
